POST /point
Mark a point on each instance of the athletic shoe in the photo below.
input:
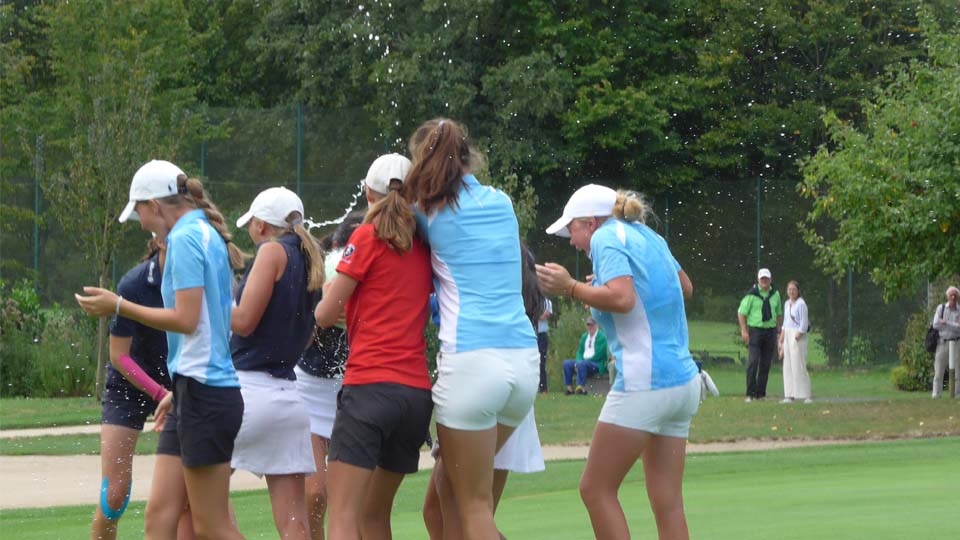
(808, 401)
(581, 391)
(786, 400)
(748, 399)
(568, 392)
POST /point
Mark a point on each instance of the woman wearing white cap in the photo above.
(200, 418)
(489, 365)
(946, 320)
(272, 323)
(637, 297)
(383, 411)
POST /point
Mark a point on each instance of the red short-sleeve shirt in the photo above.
(387, 312)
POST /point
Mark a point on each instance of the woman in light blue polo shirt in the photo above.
(201, 417)
(637, 297)
(488, 369)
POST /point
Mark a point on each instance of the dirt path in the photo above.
(43, 481)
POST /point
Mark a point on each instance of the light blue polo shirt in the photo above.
(650, 343)
(197, 257)
(475, 254)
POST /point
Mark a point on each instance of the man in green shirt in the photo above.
(592, 358)
(760, 316)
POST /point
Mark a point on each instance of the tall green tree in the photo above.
(892, 186)
(122, 96)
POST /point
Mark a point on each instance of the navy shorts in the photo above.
(124, 405)
(381, 425)
(202, 424)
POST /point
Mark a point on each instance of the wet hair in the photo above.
(190, 193)
(310, 247)
(534, 302)
(393, 218)
(631, 206)
(441, 150)
(349, 224)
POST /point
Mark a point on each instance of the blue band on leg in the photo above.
(109, 513)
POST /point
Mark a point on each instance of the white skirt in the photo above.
(319, 396)
(274, 437)
(521, 453)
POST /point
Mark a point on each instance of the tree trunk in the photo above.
(103, 355)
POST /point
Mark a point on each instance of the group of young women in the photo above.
(254, 368)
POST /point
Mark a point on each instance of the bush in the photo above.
(915, 372)
(48, 353)
(564, 338)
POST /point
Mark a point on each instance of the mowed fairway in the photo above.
(889, 490)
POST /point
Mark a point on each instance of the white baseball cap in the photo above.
(764, 273)
(384, 169)
(272, 206)
(589, 201)
(154, 180)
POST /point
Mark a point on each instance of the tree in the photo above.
(121, 98)
(891, 187)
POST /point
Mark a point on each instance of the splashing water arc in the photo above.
(353, 203)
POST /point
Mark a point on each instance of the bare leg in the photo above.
(432, 515)
(347, 489)
(378, 504)
(316, 485)
(208, 489)
(117, 445)
(288, 500)
(168, 498)
(468, 462)
(185, 525)
(663, 461)
(613, 451)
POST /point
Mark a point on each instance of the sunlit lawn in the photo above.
(880, 491)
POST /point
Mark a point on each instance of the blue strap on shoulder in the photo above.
(109, 513)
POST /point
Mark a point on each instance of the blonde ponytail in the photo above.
(630, 206)
(312, 252)
(190, 191)
(394, 219)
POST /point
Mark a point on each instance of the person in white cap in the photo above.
(201, 417)
(383, 413)
(760, 315)
(946, 320)
(636, 296)
(490, 364)
(272, 323)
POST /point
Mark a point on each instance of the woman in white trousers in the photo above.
(792, 348)
(946, 319)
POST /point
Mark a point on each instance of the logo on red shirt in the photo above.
(348, 252)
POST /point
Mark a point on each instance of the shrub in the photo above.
(915, 371)
(564, 338)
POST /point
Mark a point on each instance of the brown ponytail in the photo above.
(190, 192)
(393, 219)
(630, 206)
(441, 150)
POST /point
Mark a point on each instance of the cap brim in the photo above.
(559, 227)
(244, 219)
(129, 214)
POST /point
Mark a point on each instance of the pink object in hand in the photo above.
(136, 375)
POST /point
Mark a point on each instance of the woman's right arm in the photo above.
(183, 318)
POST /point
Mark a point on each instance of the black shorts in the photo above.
(382, 424)
(202, 424)
(124, 405)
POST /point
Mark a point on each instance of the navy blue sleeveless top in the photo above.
(287, 323)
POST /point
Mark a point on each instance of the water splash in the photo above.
(356, 197)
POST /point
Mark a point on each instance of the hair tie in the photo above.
(182, 190)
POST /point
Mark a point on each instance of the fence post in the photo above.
(299, 145)
(759, 180)
(37, 172)
(203, 159)
(849, 317)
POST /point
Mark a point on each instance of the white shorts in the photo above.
(319, 396)
(667, 411)
(476, 390)
(274, 437)
(521, 453)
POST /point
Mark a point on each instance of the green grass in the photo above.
(881, 491)
(723, 339)
(850, 404)
(19, 413)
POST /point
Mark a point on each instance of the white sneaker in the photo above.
(786, 400)
(808, 401)
(748, 399)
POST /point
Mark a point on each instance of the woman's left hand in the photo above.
(554, 279)
(97, 302)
